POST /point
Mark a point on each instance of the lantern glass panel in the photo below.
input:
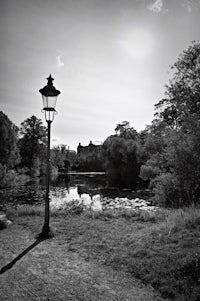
(49, 102)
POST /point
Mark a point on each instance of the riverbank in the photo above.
(160, 248)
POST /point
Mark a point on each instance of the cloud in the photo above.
(59, 62)
(156, 6)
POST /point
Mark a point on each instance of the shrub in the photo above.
(35, 169)
(166, 189)
(7, 178)
(148, 172)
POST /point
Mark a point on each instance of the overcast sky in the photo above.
(109, 58)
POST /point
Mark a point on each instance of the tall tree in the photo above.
(32, 143)
(177, 179)
(9, 152)
(182, 104)
(120, 156)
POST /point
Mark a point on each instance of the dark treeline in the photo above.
(164, 157)
(23, 151)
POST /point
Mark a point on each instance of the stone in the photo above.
(4, 219)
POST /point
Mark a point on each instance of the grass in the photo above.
(136, 215)
(187, 218)
(28, 210)
(159, 247)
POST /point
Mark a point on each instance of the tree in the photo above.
(152, 143)
(32, 143)
(178, 170)
(120, 157)
(125, 130)
(58, 154)
(9, 152)
(62, 158)
(182, 103)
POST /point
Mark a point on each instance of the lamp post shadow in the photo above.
(12, 263)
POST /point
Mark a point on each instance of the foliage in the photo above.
(183, 155)
(58, 157)
(35, 169)
(172, 161)
(183, 92)
(8, 178)
(62, 158)
(125, 130)
(71, 160)
(147, 172)
(167, 190)
(9, 153)
(32, 144)
(121, 160)
(151, 151)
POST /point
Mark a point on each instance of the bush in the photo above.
(147, 172)
(166, 189)
(7, 178)
(35, 169)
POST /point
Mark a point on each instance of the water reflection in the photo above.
(63, 189)
(90, 190)
(60, 196)
(60, 199)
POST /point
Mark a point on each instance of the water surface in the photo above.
(88, 189)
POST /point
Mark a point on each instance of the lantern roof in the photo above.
(49, 89)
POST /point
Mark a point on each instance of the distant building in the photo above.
(90, 157)
(89, 148)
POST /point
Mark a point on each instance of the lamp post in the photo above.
(49, 97)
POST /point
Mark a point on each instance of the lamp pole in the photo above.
(46, 227)
(49, 96)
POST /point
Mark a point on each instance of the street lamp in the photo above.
(49, 97)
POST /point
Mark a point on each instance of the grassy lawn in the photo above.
(160, 248)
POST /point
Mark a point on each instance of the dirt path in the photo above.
(49, 271)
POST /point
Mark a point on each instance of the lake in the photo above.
(88, 189)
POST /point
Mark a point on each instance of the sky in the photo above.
(109, 58)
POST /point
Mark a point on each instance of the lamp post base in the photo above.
(46, 233)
